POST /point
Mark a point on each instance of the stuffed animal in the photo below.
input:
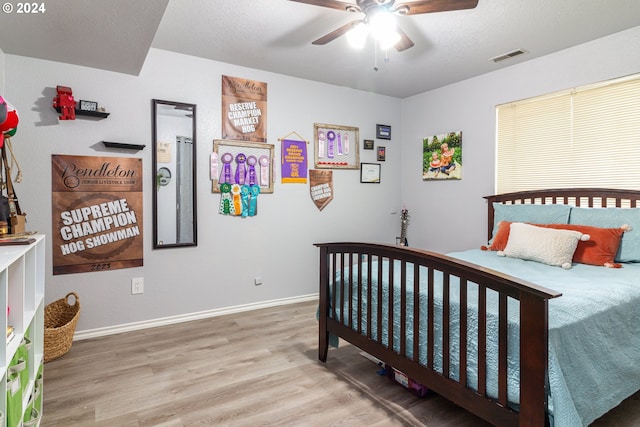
(8, 120)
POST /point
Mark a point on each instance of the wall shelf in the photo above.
(97, 114)
(123, 145)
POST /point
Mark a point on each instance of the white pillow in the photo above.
(547, 245)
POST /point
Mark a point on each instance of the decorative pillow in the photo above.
(545, 245)
(534, 214)
(629, 250)
(500, 237)
(600, 249)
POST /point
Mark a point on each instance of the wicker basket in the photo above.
(60, 319)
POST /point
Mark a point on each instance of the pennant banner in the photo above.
(321, 187)
(294, 162)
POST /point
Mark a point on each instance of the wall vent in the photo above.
(508, 55)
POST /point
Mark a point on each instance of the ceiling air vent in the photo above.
(508, 55)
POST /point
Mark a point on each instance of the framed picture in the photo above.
(383, 132)
(336, 147)
(382, 153)
(230, 158)
(370, 173)
(442, 156)
(368, 144)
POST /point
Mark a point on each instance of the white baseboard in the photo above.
(135, 326)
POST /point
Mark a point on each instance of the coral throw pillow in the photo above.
(600, 250)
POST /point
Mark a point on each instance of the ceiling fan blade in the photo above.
(430, 6)
(336, 33)
(332, 4)
(404, 43)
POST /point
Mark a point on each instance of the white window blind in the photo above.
(586, 137)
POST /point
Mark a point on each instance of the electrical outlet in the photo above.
(137, 285)
(257, 281)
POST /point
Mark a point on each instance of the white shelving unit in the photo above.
(22, 295)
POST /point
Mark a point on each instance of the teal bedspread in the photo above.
(594, 332)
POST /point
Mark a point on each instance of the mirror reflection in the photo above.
(174, 155)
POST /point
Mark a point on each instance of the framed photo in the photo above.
(368, 144)
(382, 153)
(383, 132)
(88, 105)
(255, 158)
(336, 147)
(370, 173)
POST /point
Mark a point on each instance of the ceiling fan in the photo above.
(377, 14)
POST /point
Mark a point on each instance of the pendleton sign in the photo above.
(96, 213)
(244, 109)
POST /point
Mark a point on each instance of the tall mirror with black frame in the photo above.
(174, 174)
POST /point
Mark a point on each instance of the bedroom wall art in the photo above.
(442, 157)
(336, 147)
(241, 162)
(293, 160)
(370, 173)
(96, 213)
(244, 109)
(383, 132)
(321, 187)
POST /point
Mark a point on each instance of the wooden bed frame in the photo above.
(532, 299)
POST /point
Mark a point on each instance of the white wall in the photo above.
(451, 215)
(277, 244)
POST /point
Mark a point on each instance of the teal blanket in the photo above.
(594, 332)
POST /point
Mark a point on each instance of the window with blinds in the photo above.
(584, 137)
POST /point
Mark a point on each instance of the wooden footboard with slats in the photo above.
(347, 271)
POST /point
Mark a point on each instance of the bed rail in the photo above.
(339, 263)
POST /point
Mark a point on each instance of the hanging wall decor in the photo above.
(96, 213)
(240, 172)
(293, 160)
(336, 147)
(244, 109)
(442, 157)
(321, 187)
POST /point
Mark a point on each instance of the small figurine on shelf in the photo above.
(65, 101)
(404, 223)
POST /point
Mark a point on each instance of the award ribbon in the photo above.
(225, 175)
(322, 139)
(339, 144)
(264, 170)
(346, 143)
(331, 136)
(252, 161)
(241, 171)
(253, 203)
(225, 199)
(245, 196)
(237, 204)
(214, 165)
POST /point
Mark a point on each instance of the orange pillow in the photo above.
(600, 249)
(500, 239)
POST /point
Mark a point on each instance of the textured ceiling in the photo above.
(276, 35)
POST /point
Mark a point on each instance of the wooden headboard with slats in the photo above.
(582, 197)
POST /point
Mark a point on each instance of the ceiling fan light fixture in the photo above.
(357, 35)
(383, 28)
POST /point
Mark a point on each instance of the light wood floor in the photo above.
(251, 369)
